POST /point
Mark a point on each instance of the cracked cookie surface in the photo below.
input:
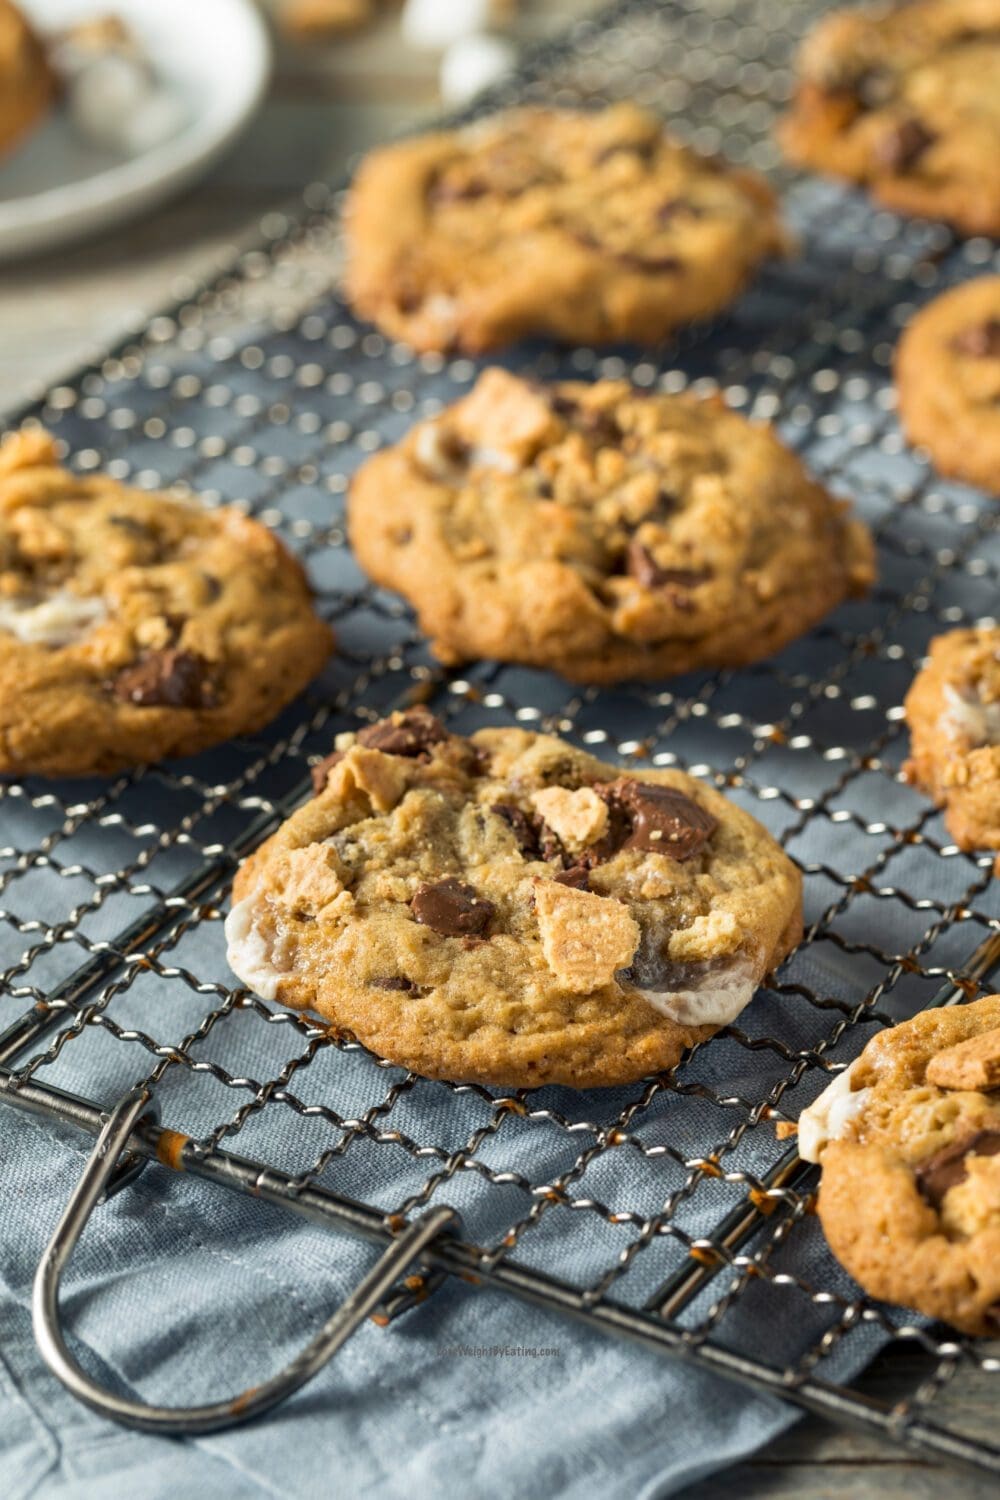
(948, 381)
(909, 1141)
(134, 626)
(507, 909)
(603, 532)
(907, 101)
(588, 227)
(953, 712)
(27, 87)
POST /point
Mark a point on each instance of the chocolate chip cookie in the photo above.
(134, 626)
(953, 710)
(907, 101)
(505, 908)
(948, 381)
(27, 86)
(587, 227)
(603, 532)
(909, 1141)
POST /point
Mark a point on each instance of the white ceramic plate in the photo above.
(214, 53)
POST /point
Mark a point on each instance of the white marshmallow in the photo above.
(435, 24)
(715, 996)
(56, 621)
(250, 954)
(473, 63)
(114, 103)
(968, 718)
(828, 1117)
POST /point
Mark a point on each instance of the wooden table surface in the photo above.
(58, 310)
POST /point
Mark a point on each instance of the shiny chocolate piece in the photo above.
(409, 733)
(452, 908)
(170, 678)
(947, 1168)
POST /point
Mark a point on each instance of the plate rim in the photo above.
(78, 209)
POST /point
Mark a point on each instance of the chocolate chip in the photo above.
(213, 588)
(170, 678)
(577, 876)
(410, 733)
(982, 340)
(643, 567)
(321, 771)
(660, 819)
(524, 828)
(946, 1168)
(452, 908)
(393, 982)
(902, 145)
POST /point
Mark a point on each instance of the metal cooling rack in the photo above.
(261, 388)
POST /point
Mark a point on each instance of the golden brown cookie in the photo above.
(27, 86)
(908, 1137)
(948, 381)
(587, 227)
(906, 99)
(134, 626)
(507, 909)
(603, 532)
(953, 710)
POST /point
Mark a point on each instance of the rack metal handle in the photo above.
(97, 1176)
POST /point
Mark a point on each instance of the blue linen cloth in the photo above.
(181, 1292)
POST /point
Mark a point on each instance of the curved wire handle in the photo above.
(97, 1175)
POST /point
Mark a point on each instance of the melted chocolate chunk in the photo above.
(641, 565)
(322, 769)
(577, 876)
(170, 678)
(946, 1168)
(410, 733)
(452, 908)
(393, 982)
(525, 829)
(981, 341)
(656, 819)
(902, 146)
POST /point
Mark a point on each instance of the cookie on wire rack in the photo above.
(587, 227)
(906, 100)
(909, 1141)
(948, 381)
(27, 85)
(953, 711)
(506, 909)
(135, 626)
(604, 532)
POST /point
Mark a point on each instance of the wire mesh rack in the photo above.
(262, 389)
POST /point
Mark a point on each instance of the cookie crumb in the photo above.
(585, 938)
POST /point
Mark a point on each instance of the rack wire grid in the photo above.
(261, 389)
